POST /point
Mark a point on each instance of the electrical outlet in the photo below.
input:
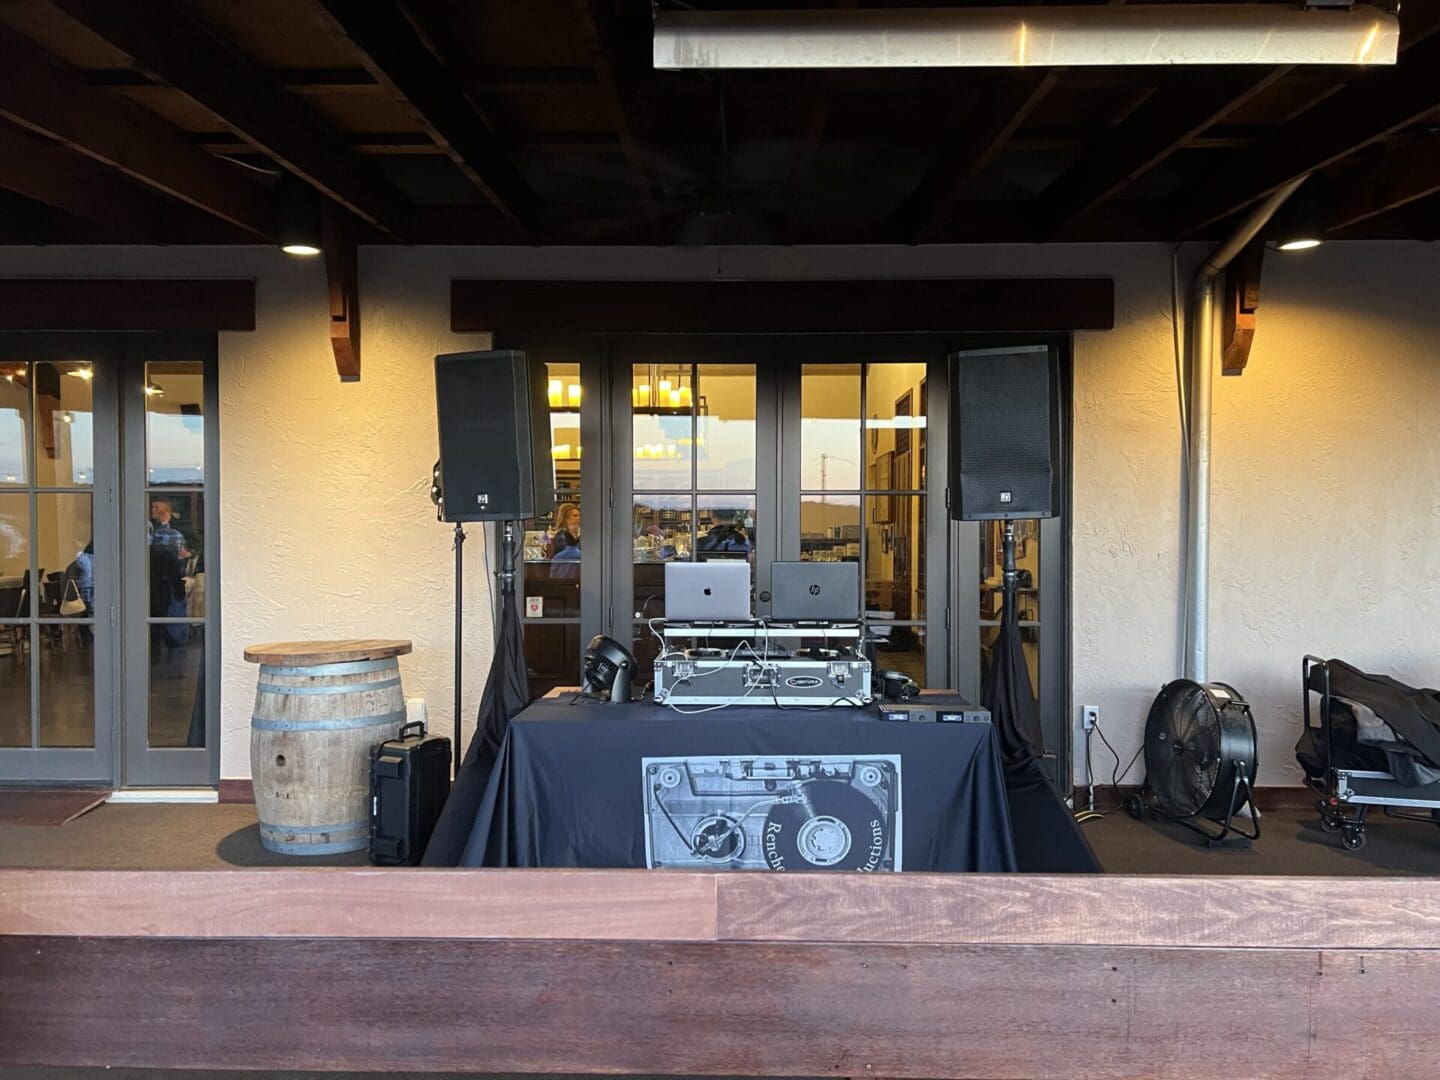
(1090, 716)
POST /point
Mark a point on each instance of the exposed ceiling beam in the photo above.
(1187, 104)
(164, 40)
(342, 280)
(340, 79)
(615, 78)
(58, 177)
(1382, 101)
(1403, 176)
(982, 131)
(393, 52)
(53, 101)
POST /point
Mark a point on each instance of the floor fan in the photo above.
(1200, 760)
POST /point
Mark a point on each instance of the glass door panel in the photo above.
(57, 555)
(170, 603)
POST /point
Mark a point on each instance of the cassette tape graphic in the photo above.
(773, 813)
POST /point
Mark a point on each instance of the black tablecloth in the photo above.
(569, 788)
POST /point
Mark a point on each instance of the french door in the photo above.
(765, 448)
(104, 557)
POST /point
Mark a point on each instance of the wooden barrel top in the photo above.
(310, 653)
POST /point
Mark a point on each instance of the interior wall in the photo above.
(1325, 507)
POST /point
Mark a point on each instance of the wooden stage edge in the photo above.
(719, 974)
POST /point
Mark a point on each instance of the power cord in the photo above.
(1090, 813)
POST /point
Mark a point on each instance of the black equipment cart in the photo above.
(1373, 742)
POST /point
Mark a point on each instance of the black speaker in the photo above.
(1005, 434)
(494, 436)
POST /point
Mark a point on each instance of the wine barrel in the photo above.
(319, 708)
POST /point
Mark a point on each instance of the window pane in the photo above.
(67, 687)
(65, 431)
(175, 534)
(662, 398)
(175, 422)
(14, 424)
(893, 530)
(899, 648)
(893, 396)
(830, 528)
(14, 556)
(830, 427)
(564, 396)
(177, 684)
(14, 686)
(552, 656)
(992, 566)
(725, 427)
(550, 556)
(726, 529)
(66, 553)
(662, 531)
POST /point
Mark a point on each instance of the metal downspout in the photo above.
(1201, 367)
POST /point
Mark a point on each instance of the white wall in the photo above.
(1326, 504)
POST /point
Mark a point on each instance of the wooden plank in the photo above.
(1403, 176)
(395, 55)
(410, 904)
(1187, 104)
(163, 39)
(949, 909)
(1105, 910)
(983, 130)
(127, 304)
(342, 280)
(728, 306)
(1378, 103)
(53, 101)
(306, 653)
(774, 1010)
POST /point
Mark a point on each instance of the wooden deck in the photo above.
(643, 972)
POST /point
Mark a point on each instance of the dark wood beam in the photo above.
(980, 304)
(164, 40)
(1379, 102)
(618, 86)
(978, 137)
(1242, 302)
(342, 278)
(58, 177)
(53, 101)
(1403, 176)
(139, 304)
(393, 52)
(487, 78)
(1187, 104)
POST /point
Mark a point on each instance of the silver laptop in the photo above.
(707, 592)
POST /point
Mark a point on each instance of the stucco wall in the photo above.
(1326, 501)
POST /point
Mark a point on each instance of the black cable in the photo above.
(1116, 775)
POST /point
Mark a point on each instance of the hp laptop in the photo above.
(707, 592)
(815, 592)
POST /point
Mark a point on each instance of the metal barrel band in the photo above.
(315, 830)
(359, 667)
(313, 691)
(336, 724)
(337, 848)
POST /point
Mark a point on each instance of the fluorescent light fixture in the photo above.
(300, 249)
(1008, 37)
(1300, 243)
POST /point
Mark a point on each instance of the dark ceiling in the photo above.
(542, 121)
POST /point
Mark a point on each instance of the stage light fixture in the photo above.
(1300, 222)
(297, 224)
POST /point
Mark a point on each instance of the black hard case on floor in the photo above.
(409, 783)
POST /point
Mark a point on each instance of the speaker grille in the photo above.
(1004, 437)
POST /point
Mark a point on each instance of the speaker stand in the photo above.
(1010, 574)
(459, 547)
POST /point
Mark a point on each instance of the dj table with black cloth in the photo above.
(568, 790)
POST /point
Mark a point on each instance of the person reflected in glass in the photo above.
(169, 554)
(726, 534)
(565, 531)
